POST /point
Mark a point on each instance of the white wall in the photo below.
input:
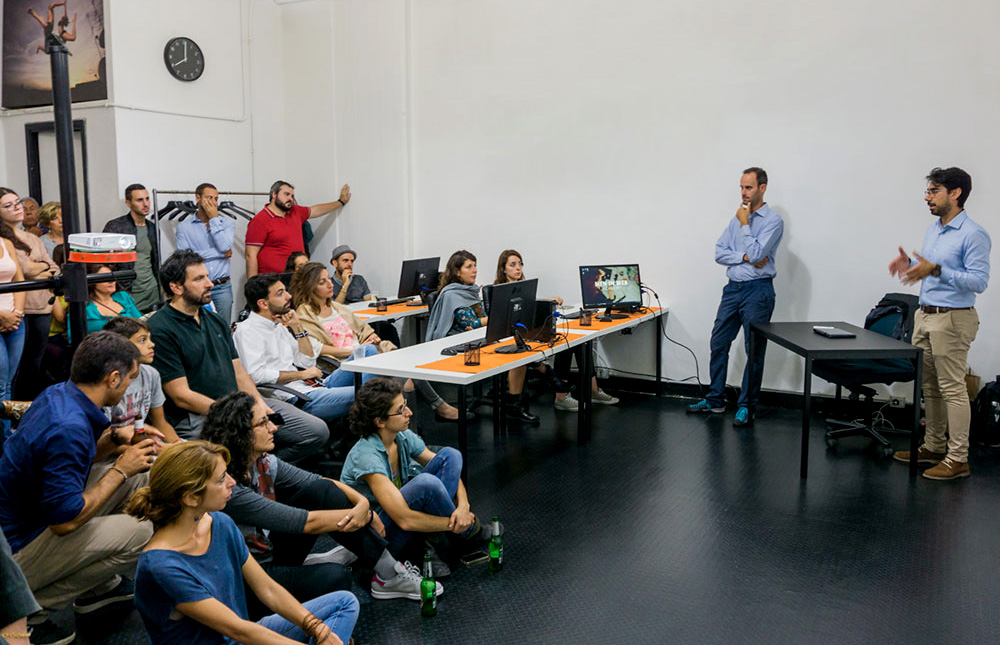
(575, 131)
(581, 133)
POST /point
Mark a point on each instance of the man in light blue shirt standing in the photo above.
(952, 267)
(211, 237)
(747, 249)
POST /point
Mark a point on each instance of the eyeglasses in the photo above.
(13, 205)
(274, 418)
(401, 412)
(932, 191)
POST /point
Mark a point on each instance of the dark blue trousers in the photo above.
(742, 303)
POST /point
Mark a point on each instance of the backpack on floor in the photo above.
(985, 427)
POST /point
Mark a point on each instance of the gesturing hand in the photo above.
(918, 271)
(899, 264)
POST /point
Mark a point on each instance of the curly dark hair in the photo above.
(373, 401)
(230, 423)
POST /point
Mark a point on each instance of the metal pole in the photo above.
(75, 274)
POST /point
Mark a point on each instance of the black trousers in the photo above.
(29, 381)
(308, 582)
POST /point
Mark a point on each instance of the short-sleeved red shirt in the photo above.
(277, 237)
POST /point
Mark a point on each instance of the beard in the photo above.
(283, 207)
(195, 299)
(278, 311)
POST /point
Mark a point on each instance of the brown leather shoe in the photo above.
(924, 456)
(948, 469)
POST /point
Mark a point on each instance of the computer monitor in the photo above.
(418, 278)
(512, 308)
(611, 286)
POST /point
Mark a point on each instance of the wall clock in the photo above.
(184, 59)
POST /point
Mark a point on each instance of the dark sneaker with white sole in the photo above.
(52, 633)
(123, 593)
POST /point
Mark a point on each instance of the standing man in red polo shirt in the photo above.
(276, 231)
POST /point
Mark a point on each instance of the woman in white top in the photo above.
(11, 304)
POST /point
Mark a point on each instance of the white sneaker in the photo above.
(569, 404)
(602, 397)
(336, 555)
(405, 584)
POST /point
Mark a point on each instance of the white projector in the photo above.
(90, 242)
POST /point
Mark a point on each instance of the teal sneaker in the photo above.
(704, 407)
(742, 417)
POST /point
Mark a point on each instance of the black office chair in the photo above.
(893, 317)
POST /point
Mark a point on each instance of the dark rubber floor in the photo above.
(677, 529)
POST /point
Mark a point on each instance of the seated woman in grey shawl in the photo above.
(459, 308)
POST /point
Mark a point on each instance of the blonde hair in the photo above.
(49, 212)
(182, 469)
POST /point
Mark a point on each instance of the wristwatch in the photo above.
(936, 271)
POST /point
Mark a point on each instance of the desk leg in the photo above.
(806, 413)
(463, 433)
(584, 399)
(499, 414)
(915, 435)
(659, 356)
(357, 381)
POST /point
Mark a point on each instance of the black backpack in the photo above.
(985, 427)
(904, 304)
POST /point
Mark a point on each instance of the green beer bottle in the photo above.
(496, 546)
(428, 589)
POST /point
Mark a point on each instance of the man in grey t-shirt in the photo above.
(347, 287)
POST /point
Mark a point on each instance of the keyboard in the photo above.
(454, 350)
(393, 301)
(576, 314)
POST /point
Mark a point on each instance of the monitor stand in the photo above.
(607, 315)
(519, 347)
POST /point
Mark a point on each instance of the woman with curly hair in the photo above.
(417, 491)
(281, 509)
(189, 583)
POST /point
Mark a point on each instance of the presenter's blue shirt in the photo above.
(46, 462)
(962, 248)
(211, 242)
(757, 240)
(164, 579)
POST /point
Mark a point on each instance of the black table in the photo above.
(800, 338)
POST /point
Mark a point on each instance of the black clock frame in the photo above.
(199, 69)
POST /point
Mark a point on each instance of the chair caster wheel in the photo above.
(887, 453)
(831, 443)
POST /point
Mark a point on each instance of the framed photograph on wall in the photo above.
(27, 75)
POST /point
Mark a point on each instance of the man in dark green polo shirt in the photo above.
(198, 362)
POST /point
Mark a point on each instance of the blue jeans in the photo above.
(432, 492)
(338, 610)
(222, 298)
(742, 303)
(335, 400)
(11, 347)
